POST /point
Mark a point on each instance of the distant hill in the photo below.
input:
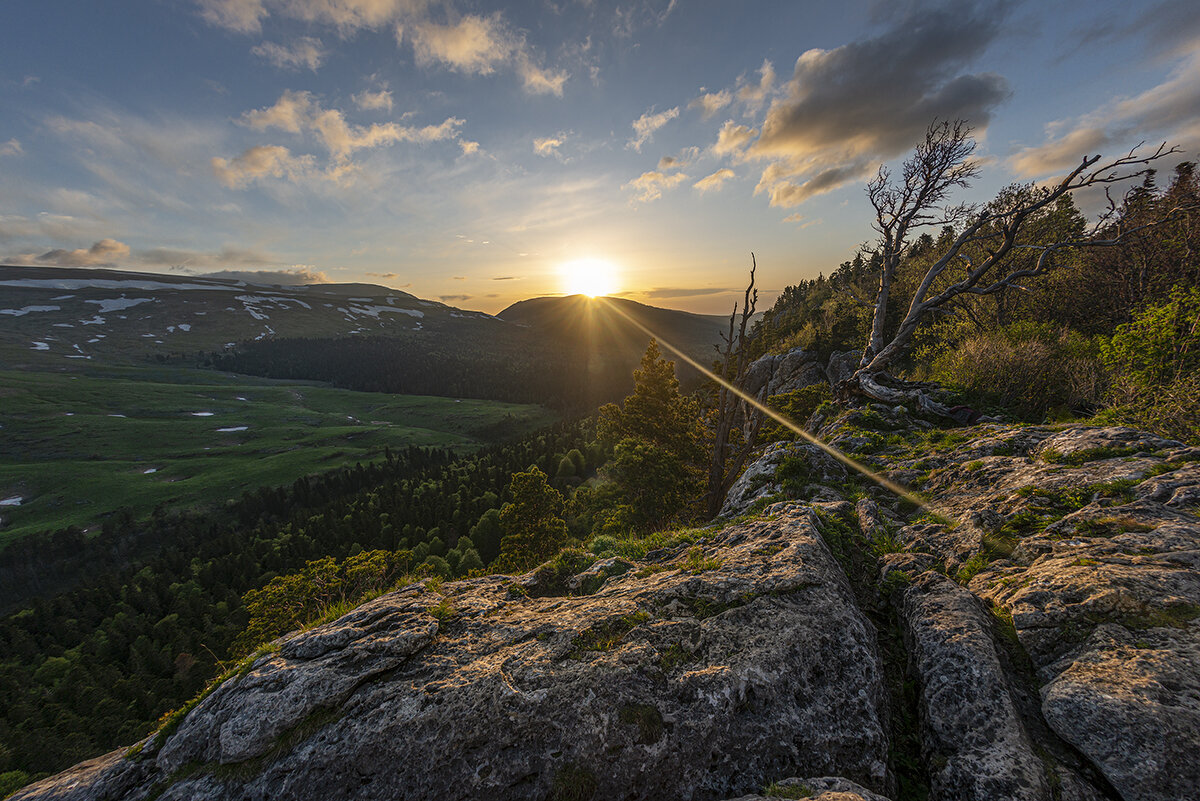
(565, 352)
(51, 314)
(614, 330)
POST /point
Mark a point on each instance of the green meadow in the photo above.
(77, 445)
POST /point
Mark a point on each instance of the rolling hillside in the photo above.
(50, 315)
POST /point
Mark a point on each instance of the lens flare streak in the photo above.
(858, 467)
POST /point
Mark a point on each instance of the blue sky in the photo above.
(466, 151)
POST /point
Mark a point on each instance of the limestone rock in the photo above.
(826, 788)
(678, 681)
(976, 742)
(776, 373)
(759, 479)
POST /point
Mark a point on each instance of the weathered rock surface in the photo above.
(1046, 605)
(774, 374)
(976, 742)
(826, 788)
(761, 480)
(1089, 539)
(670, 681)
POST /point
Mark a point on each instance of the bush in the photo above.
(1027, 369)
(1156, 358)
(1168, 410)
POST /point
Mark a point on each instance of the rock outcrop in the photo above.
(1033, 633)
(700, 674)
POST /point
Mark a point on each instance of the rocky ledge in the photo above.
(1034, 633)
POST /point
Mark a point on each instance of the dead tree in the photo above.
(727, 456)
(980, 259)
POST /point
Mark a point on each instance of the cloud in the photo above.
(1056, 154)
(242, 16)
(301, 113)
(787, 193)
(712, 102)
(645, 126)
(305, 52)
(649, 186)
(872, 99)
(505, 278)
(732, 139)
(549, 145)
(715, 181)
(458, 298)
(473, 45)
(752, 95)
(1170, 110)
(477, 45)
(680, 292)
(103, 253)
(184, 259)
(246, 16)
(367, 100)
(11, 148)
(260, 162)
(539, 81)
(668, 162)
(299, 275)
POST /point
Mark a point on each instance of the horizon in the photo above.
(471, 152)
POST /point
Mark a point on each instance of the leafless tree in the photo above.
(981, 258)
(728, 456)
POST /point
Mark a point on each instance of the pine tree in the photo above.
(534, 529)
(657, 440)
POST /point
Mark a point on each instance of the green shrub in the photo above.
(1027, 369)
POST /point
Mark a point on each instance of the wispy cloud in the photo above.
(548, 146)
(645, 126)
(712, 102)
(301, 113)
(714, 182)
(649, 186)
(1170, 110)
(11, 148)
(368, 100)
(304, 53)
(261, 161)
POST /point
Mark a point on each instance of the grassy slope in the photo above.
(71, 460)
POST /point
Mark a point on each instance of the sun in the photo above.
(591, 277)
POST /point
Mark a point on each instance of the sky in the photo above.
(479, 153)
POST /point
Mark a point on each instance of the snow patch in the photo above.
(118, 304)
(202, 414)
(30, 310)
(232, 429)
(63, 325)
(149, 470)
(40, 346)
(374, 311)
(185, 327)
(97, 320)
(63, 297)
(116, 415)
(15, 500)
